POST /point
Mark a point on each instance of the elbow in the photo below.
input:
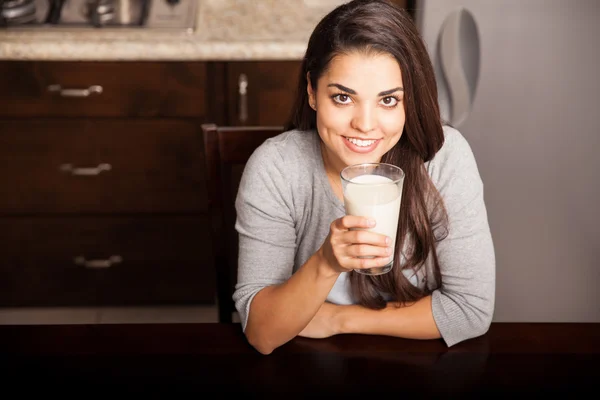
(486, 313)
(486, 320)
(481, 321)
(471, 327)
(481, 311)
(264, 350)
(462, 320)
(260, 346)
(259, 343)
(484, 326)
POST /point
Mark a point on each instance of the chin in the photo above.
(361, 160)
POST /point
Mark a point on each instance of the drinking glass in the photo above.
(375, 190)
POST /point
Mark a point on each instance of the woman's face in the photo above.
(360, 109)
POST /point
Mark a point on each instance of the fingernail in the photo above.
(388, 241)
(388, 250)
(371, 222)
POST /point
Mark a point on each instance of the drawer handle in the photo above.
(90, 171)
(243, 92)
(98, 264)
(94, 89)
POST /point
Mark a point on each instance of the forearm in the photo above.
(278, 313)
(412, 321)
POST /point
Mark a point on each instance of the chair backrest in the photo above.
(227, 150)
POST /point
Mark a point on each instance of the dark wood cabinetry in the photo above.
(111, 261)
(79, 165)
(103, 196)
(261, 93)
(114, 89)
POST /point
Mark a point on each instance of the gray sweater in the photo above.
(285, 206)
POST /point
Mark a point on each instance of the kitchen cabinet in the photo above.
(101, 166)
(116, 260)
(103, 198)
(104, 89)
(261, 93)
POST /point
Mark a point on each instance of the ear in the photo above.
(309, 89)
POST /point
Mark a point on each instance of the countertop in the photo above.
(129, 45)
(511, 358)
(224, 30)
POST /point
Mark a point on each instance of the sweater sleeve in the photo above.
(463, 306)
(266, 229)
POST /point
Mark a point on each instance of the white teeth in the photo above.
(361, 143)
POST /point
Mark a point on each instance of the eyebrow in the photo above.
(348, 90)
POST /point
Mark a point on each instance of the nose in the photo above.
(364, 119)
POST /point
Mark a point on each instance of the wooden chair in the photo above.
(227, 149)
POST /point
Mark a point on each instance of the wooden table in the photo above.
(215, 359)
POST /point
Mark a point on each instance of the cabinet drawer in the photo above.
(31, 88)
(105, 261)
(101, 166)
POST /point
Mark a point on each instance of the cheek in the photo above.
(331, 117)
(393, 123)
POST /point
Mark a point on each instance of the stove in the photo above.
(98, 14)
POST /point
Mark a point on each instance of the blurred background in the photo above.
(104, 211)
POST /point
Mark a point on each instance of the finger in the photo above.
(365, 250)
(353, 221)
(362, 263)
(367, 237)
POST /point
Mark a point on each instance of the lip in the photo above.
(360, 149)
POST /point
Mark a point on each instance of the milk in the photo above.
(377, 197)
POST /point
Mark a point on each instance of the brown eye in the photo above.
(389, 101)
(341, 98)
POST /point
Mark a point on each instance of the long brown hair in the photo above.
(378, 26)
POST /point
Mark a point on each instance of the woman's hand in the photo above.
(324, 323)
(348, 241)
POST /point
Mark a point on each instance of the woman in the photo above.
(367, 93)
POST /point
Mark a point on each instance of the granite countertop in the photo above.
(225, 30)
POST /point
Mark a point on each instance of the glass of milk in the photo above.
(374, 190)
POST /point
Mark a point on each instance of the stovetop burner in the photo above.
(179, 14)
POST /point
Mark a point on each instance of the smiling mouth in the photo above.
(361, 142)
